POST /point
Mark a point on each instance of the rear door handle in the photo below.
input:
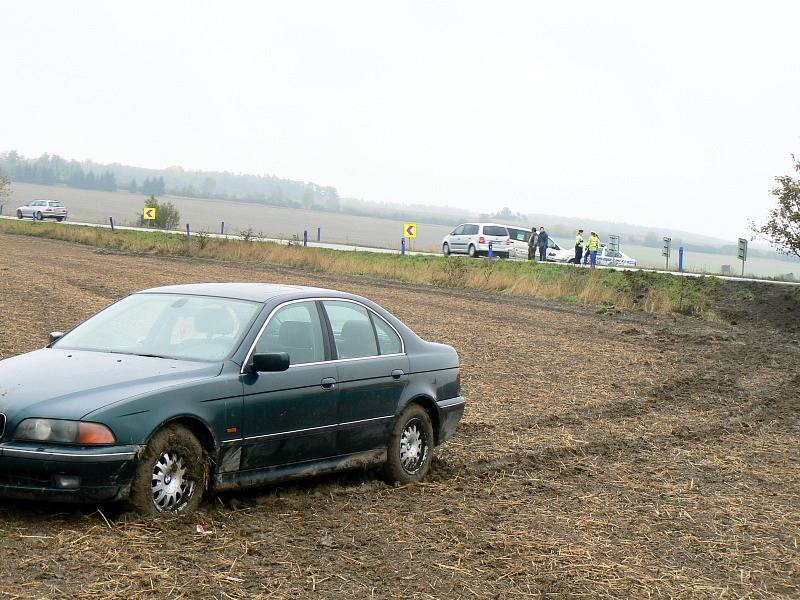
(328, 383)
(398, 373)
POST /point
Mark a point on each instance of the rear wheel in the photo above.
(410, 449)
(472, 251)
(172, 473)
(446, 249)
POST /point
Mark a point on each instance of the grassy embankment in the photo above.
(651, 292)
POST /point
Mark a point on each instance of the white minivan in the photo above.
(473, 239)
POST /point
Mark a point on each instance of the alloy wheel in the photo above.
(170, 487)
(413, 447)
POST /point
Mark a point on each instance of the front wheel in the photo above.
(39, 216)
(446, 249)
(472, 251)
(410, 449)
(172, 473)
(19, 214)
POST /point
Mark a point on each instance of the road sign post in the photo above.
(305, 237)
(319, 234)
(222, 228)
(402, 246)
(680, 259)
(111, 220)
(665, 251)
(742, 252)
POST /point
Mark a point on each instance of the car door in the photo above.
(456, 239)
(372, 372)
(290, 416)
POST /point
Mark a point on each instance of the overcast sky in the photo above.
(674, 114)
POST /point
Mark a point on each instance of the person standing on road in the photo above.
(542, 241)
(579, 247)
(593, 245)
(532, 245)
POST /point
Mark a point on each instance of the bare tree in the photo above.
(5, 187)
(782, 228)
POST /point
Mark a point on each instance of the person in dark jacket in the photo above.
(532, 245)
(542, 241)
(578, 247)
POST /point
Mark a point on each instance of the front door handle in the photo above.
(328, 383)
(398, 373)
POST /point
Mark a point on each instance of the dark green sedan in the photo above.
(176, 391)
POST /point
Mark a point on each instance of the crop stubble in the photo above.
(601, 455)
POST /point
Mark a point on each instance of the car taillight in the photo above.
(48, 210)
(509, 241)
(481, 240)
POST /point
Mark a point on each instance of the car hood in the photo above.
(69, 384)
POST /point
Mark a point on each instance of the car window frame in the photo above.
(327, 349)
(327, 334)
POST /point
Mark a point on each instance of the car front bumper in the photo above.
(450, 413)
(68, 474)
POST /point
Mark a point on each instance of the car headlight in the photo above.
(63, 432)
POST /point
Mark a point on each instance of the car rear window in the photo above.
(56, 203)
(494, 230)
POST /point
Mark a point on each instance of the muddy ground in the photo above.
(621, 455)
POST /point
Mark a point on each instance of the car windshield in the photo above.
(198, 328)
(494, 230)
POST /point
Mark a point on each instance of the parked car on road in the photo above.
(519, 246)
(43, 209)
(176, 390)
(609, 257)
(473, 239)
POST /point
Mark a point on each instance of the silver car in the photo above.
(43, 209)
(473, 239)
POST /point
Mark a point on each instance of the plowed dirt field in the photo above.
(620, 455)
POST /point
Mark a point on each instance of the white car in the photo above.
(519, 246)
(473, 239)
(43, 209)
(608, 257)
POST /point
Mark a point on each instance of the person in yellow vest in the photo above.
(579, 247)
(593, 245)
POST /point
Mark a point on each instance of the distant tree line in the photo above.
(52, 170)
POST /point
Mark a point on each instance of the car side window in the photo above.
(470, 229)
(353, 333)
(458, 230)
(388, 341)
(297, 330)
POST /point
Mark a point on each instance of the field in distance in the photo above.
(94, 206)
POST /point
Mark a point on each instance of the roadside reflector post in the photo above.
(1, 209)
(490, 249)
(222, 228)
(680, 259)
(319, 234)
(111, 220)
(187, 231)
(402, 246)
(742, 255)
(305, 237)
(665, 251)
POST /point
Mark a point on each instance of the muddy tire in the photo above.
(410, 449)
(172, 474)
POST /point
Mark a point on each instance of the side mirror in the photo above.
(55, 336)
(271, 362)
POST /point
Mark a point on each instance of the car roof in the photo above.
(255, 292)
